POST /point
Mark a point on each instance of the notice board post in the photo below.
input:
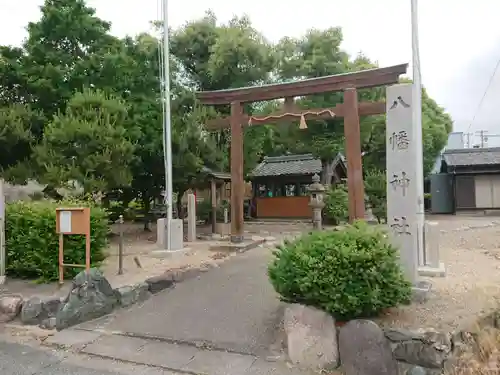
(74, 220)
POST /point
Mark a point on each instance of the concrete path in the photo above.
(223, 322)
(18, 359)
(232, 307)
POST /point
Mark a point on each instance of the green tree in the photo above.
(87, 144)
(13, 80)
(217, 56)
(191, 149)
(20, 128)
(68, 49)
(319, 53)
(62, 53)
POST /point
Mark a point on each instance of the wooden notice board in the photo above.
(73, 220)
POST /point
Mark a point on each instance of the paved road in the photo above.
(16, 359)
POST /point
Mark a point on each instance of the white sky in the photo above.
(459, 39)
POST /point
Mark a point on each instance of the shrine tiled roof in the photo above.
(297, 165)
(472, 156)
(291, 165)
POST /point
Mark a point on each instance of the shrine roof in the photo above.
(223, 176)
(290, 165)
(472, 156)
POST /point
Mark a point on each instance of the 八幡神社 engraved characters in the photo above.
(403, 182)
(399, 140)
(400, 226)
(399, 101)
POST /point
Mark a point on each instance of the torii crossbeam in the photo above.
(350, 110)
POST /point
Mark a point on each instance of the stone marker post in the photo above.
(161, 237)
(120, 245)
(317, 191)
(402, 195)
(191, 235)
(432, 267)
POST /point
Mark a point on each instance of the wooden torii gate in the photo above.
(350, 110)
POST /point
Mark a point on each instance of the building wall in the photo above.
(487, 191)
(477, 191)
(465, 196)
(284, 207)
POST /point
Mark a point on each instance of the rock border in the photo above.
(412, 352)
(43, 311)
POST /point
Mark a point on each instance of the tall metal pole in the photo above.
(167, 131)
(2, 233)
(417, 118)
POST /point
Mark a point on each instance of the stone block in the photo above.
(10, 307)
(223, 229)
(311, 337)
(421, 291)
(430, 351)
(161, 282)
(49, 323)
(364, 350)
(35, 310)
(130, 294)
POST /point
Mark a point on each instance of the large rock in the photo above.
(10, 307)
(364, 350)
(35, 309)
(91, 296)
(311, 337)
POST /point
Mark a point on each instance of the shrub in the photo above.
(336, 204)
(376, 191)
(33, 245)
(204, 211)
(349, 273)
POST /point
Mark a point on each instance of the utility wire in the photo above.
(492, 77)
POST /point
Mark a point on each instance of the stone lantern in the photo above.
(316, 202)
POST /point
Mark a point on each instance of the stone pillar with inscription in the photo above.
(401, 173)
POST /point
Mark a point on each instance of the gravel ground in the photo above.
(470, 250)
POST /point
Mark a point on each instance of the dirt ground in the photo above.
(141, 244)
(470, 250)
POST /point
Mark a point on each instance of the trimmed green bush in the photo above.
(350, 273)
(336, 209)
(33, 245)
(204, 211)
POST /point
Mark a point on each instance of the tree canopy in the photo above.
(77, 103)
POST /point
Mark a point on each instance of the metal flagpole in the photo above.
(417, 116)
(2, 233)
(167, 131)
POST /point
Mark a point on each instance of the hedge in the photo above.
(32, 243)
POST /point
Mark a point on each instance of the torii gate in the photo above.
(350, 110)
